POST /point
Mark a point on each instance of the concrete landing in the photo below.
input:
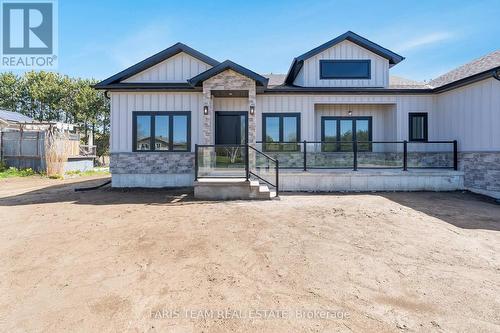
(231, 189)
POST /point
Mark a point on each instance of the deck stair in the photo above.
(231, 189)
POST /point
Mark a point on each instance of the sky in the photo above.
(98, 38)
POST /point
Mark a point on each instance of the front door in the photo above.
(231, 128)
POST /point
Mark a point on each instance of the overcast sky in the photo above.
(99, 38)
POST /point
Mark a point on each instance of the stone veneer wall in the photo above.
(365, 159)
(481, 172)
(152, 163)
(227, 80)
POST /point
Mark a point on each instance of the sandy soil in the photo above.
(159, 261)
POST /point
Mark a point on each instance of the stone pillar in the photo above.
(228, 80)
(207, 119)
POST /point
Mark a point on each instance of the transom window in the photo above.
(161, 131)
(344, 69)
(418, 126)
(338, 133)
(281, 131)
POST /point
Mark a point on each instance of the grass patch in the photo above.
(14, 172)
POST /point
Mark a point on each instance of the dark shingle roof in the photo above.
(489, 61)
(14, 117)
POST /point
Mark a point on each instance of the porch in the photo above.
(323, 166)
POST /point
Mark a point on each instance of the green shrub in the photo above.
(14, 172)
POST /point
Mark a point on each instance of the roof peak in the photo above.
(297, 62)
(156, 59)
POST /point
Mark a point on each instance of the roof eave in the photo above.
(154, 60)
(493, 72)
(198, 79)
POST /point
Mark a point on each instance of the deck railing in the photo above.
(356, 155)
(236, 161)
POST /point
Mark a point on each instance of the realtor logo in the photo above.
(29, 38)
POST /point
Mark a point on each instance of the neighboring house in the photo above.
(338, 97)
(9, 119)
(23, 143)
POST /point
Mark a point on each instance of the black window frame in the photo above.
(153, 115)
(354, 129)
(281, 115)
(412, 115)
(368, 76)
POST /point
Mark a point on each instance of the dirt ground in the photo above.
(160, 261)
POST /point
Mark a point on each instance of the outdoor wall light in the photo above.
(349, 113)
(205, 110)
(252, 109)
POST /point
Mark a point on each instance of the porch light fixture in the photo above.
(349, 112)
(252, 109)
(205, 110)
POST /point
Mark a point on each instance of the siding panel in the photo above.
(178, 68)
(471, 114)
(309, 74)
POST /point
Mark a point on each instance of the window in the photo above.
(418, 126)
(161, 131)
(344, 69)
(281, 127)
(338, 133)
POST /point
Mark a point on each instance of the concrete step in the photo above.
(230, 189)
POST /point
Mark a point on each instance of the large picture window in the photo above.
(281, 131)
(344, 69)
(418, 126)
(161, 131)
(338, 133)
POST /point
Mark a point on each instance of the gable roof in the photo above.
(479, 65)
(223, 66)
(297, 62)
(153, 60)
(10, 116)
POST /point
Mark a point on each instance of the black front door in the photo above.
(231, 128)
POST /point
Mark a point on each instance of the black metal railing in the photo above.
(356, 155)
(236, 161)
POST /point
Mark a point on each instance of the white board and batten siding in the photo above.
(309, 75)
(383, 117)
(176, 69)
(124, 103)
(391, 110)
(471, 114)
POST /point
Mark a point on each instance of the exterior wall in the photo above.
(383, 120)
(471, 114)
(482, 172)
(152, 169)
(306, 105)
(124, 103)
(178, 68)
(309, 74)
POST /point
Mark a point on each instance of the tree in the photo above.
(9, 91)
(49, 96)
